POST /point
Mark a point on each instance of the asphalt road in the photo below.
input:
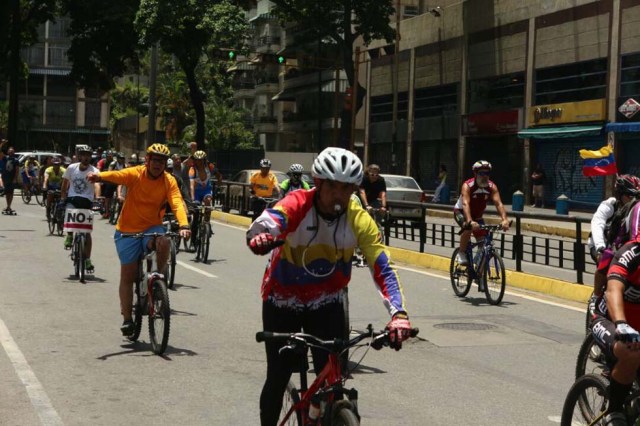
(64, 361)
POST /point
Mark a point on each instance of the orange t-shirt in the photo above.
(146, 198)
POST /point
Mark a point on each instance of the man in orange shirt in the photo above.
(149, 188)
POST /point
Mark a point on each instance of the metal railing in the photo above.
(569, 253)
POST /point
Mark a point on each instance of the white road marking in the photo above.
(39, 399)
(198, 270)
(417, 271)
(510, 293)
(554, 419)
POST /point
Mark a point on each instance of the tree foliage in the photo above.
(104, 43)
(225, 128)
(186, 29)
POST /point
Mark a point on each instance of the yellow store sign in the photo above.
(568, 112)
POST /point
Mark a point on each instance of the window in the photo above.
(436, 101)
(34, 86)
(580, 81)
(59, 28)
(61, 113)
(34, 55)
(497, 93)
(92, 112)
(630, 76)
(382, 107)
(60, 86)
(58, 56)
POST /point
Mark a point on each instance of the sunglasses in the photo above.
(296, 175)
(484, 173)
(158, 160)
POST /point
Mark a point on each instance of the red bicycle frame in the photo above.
(330, 375)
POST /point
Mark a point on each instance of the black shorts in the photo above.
(108, 189)
(9, 184)
(80, 202)
(604, 333)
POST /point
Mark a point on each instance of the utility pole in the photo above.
(354, 106)
(151, 130)
(394, 116)
(14, 71)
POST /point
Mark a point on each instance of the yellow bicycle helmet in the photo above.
(199, 155)
(159, 149)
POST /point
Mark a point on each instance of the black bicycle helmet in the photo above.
(627, 185)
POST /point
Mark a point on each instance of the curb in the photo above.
(558, 288)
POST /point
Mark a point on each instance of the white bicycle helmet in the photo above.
(338, 164)
(169, 164)
(296, 168)
(265, 163)
(482, 164)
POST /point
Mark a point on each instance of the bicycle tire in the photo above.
(39, 198)
(136, 313)
(51, 221)
(456, 273)
(290, 398)
(591, 359)
(60, 223)
(587, 399)
(588, 318)
(26, 196)
(171, 267)
(206, 241)
(344, 417)
(160, 320)
(80, 257)
(494, 278)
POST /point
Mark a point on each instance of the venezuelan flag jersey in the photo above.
(314, 264)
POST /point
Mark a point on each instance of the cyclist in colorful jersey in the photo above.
(77, 193)
(611, 227)
(264, 184)
(615, 327)
(53, 179)
(30, 170)
(470, 207)
(149, 188)
(303, 284)
(295, 180)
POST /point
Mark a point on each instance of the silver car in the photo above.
(403, 188)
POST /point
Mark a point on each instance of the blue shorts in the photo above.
(131, 249)
(201, 193)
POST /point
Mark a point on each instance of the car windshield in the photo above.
(401, 182)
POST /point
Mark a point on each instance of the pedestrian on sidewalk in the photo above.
(9, 168)
(441, 181)
(538, 178)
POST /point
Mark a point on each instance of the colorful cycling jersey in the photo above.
(314, 264)
(146, 198)
(52, 177)
(264, 185)
(209, 170)
(625, 267)
(288, 186)
(479, 197)
(30, 167)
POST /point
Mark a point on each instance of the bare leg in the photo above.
(128, 274)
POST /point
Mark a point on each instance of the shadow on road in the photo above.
(134, 348)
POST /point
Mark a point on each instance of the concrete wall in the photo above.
(630, 31)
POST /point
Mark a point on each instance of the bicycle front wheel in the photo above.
(586, 401)
(51, 220)
(159, 317)
(136, 313)
(40, 198)
(344, 417)
(26, 196)
(494, 278)
(291, 398)
(206, 241)
(171, 267)
(80, 259)
(59, 219)
(591, 359)
(460, 279)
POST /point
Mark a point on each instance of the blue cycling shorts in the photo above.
(131, 249)
(201, 193)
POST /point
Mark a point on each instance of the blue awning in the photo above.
(560, 132)
(623, 127)
(49, 71)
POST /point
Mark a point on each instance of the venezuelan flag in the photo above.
(599, 162)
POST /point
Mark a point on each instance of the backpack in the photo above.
(614, 225)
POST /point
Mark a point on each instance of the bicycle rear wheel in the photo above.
(460, 280)
(80, 259)
(494, 278)
(26, 196)
(586, 401)
(291, 398)
(206, 241)
(51, 220)
(344, 417)
(171, 267)
(159, 317)
(59, 219)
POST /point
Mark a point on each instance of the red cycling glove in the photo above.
(262, 243)
(399, 330)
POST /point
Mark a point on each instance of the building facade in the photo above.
(516, 83)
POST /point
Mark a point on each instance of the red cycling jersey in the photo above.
(479, 197)
(625, 267)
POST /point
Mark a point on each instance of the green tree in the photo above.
(21, 22)
(342, 22)
(186, 29)
(225, 128)
(104, 43)
(127, 100)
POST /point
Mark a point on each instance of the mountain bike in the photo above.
(80, 223)
(114, 210)
(55, 214)
(33, 191)
(487, 268)
(259, 204)
(151, 297)
(323, 402)
(200, 242)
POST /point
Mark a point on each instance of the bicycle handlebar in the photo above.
(149, 234)
(490, 228)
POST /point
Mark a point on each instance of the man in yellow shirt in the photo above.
(149, 188)
(263, 184)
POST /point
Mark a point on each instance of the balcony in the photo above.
(267, 44)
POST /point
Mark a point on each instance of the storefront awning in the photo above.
(623, 127)
(560, 132)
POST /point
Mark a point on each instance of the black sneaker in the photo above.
(127, 328)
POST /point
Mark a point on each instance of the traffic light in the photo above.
(224, 54)
(232, 55)
(282, 60)
(348, 99)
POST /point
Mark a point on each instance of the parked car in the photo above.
(40, 156)
(403, 188)
(244, 176)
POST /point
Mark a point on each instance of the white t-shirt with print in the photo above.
(79, 186)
